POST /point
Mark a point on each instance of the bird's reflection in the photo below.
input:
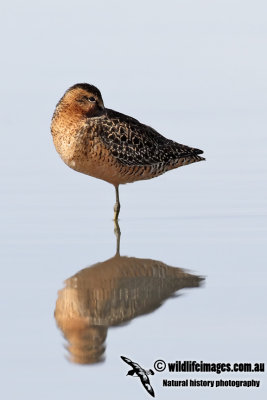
(111, 293)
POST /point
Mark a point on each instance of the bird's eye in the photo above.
(83, 99)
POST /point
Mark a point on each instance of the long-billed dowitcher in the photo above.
(109, 145)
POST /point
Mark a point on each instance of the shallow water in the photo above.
(135, 304)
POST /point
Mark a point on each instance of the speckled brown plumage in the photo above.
(109, 145)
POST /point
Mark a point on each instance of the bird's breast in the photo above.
(69, 143)
(82, 150)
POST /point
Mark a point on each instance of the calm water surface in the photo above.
(189, 282)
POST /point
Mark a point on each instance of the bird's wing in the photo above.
(133, 143)
(146, 383)
(131, 363)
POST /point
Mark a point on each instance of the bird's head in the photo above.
(84, 100)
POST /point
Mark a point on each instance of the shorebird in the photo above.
(111, 146)
(141, 373)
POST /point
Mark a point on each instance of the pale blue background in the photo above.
(195, 71)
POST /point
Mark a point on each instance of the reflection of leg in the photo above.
(117, 205)
(117, 232)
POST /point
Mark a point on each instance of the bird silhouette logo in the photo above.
(141, 373)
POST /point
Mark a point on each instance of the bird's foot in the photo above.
(117, 208)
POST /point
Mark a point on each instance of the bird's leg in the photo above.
(117, 205)
(117, 232)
